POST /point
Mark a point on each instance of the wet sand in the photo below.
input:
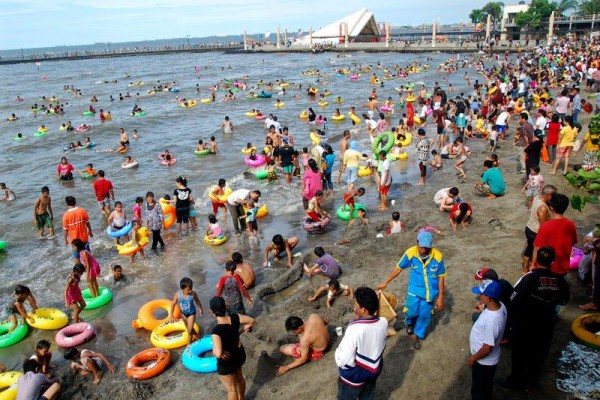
(438, 370)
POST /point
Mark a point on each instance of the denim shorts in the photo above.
(352, 174)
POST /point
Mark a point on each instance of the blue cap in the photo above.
(489, 288)
(425, 239)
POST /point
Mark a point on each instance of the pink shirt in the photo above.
(312, 182)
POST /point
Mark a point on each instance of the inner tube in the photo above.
(343, 212)
(338, 117)
(48, 319)
(192, 356)
(265, 95)
(260, 160)
(139, 369)
(121, 232)
(189, 103)
(407, 139)
(222, 198)
(315, 137)
(18, 139)
(279, 105)
(168, 213)
(316, 227)
(162, 335)
(146, 317)
(138, 114)
(8, 385)
(584, 329)
(88, 146)
(251, 114)
(8, 339)
(248, 150)
(88, 113)
(104, 297)
(129, 166)
(74, 335)
(388, 145)
(215, 241)
(130, 248)
(394, 157)
(3, 245)
(262, 174)
(363, 170)
(202, 152)
(38, 134)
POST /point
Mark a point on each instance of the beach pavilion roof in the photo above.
(360, 23)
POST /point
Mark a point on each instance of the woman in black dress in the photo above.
(228, 348)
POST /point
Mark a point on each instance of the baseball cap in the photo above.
(425, 239)
(489, 288)
(285, 139)
(486, 273)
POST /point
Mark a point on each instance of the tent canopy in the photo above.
(360, 23)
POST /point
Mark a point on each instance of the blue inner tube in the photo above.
(265, 95)
(121, 232)
(192, 360)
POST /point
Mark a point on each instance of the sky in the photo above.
(47, 23)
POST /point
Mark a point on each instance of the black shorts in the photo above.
(276, 152)
(183, 215)
(440, 131)
(253, 226)
(230, 366)
(445, 156)
(530, 236)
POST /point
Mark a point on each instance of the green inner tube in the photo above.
(38, 134)
(202, 152)
(85, 175)
(140, 114)
(344, 211)
(18, 139)
(104, 297)
(3, 245)
(8, 339)
(262, 174)
(88, 113)
(388, 146)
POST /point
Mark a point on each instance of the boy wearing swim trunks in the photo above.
(42, 213)
(349, 199)
(314, 341)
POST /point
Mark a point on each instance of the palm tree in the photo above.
(589, 7)
(562, 6)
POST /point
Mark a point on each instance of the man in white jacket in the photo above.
(359, 356)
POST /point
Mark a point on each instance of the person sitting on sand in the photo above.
(396, 226)
(446, 198)
(334, 289)
(279, 246)
(314, 341)
(314, 211)
(85, 361)
(437, 161)
(243, 270)
(492, 183)
(361, 218)
(326, 265)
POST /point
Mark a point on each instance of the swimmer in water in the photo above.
(201, 146)
(7, 194)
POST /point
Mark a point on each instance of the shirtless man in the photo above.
(314, 341)
(243, 270)
(124, 140)
(272, 140)
(278, 246)
(227, 126)
(372, 106)
(212, 144)
(42, 213)
(343, 147)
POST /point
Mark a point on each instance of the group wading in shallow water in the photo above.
(507, 119)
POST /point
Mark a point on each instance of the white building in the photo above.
(359, 26)
(508, 26)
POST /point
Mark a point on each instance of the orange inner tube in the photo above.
(159, 360)
(146, 317)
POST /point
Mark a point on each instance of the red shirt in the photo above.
(561, 235)
(553, 130)
(64, 170)
(455, 209)
(102, 188)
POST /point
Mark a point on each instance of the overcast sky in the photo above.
(44, 23)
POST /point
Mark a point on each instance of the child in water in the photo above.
(272, 175)
(201, 146)
(214, 230)
(185, 298)
(137, 209)
(117, 220)
(90, 170)
(92, 267)
(21, 294)
(135, 240)
(72, 293)
(251, 218)
(86, 361)
(7, 194)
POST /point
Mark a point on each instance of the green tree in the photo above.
(563, 6)
(589, 7)
(538, 13)
(495, 9)
(477, 16)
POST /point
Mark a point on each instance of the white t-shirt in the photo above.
(540, 123)
(385, 166)
(503, 87)
(240, 194)
(488, 329)
(371, 125)
(268, 123)
(501, 120)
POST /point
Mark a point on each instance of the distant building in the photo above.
(360, 27)
(509, 29)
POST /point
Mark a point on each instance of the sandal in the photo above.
(589, 307)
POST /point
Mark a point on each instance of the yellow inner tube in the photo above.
(314, 136)
(262, 211)
(410, 99)
(338, 117)
(48, 319)
(394, 157)
(303, 115)
(248, 150)
(355, 118)
(408, 139)
(205, 101)
(215, 241)
(221, 198)
(129, 248)
(323, 103)
(251, 114)
(279, 105)
(364, 171)
(585, 327)
(160, 339)
(189, 103)
(8, 385)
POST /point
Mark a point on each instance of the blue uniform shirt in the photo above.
(424, 274)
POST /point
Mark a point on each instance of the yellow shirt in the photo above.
(567, 136)
(589, 146)
(351, 158)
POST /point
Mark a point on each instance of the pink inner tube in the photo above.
(74, 335)
(429, 111)
(80, 128)
(316, 227)
(263, 116)
(354, 77)
(576, 256)
(165, 162)
(260, 160)
(385, 108)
